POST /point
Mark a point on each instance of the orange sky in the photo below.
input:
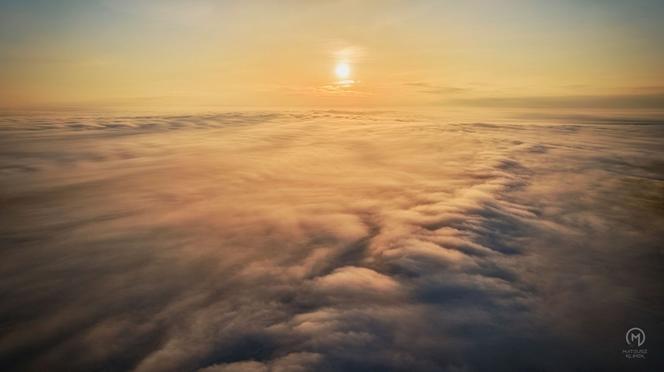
(401, 53)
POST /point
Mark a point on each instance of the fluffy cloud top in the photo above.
(326, 240)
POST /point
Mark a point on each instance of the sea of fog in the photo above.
(328, 241)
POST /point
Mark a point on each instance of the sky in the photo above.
(478, 53)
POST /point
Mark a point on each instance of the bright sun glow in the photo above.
(342, 70)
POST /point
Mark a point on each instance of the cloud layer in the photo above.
(327, 240)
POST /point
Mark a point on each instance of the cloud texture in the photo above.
(327, 240)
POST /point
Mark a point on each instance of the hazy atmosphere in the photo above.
(202, 53)
(293, 186)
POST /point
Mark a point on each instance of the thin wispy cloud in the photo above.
(436, 89)
(625, 101)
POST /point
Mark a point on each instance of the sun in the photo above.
(342, 70)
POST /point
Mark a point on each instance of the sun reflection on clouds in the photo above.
(345, 83)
